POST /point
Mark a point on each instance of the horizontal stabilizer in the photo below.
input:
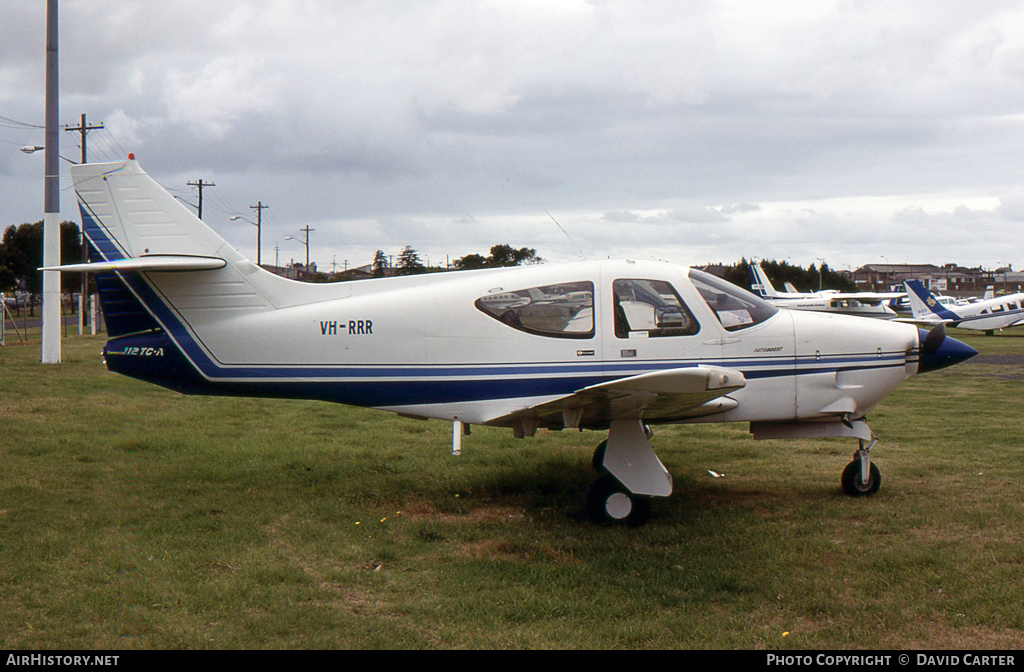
(155, 262)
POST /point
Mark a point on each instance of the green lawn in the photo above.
(133, 517)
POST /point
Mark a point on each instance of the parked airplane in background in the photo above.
(616, 345)
(860, 304)
(987, 315)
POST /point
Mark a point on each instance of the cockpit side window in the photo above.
(650, 308)
(564, 310)
(735, 308)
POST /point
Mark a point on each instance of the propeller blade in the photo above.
(934, 340)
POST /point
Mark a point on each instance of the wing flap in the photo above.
(663, 396)
(691, 380)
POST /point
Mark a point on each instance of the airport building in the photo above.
(949, 278)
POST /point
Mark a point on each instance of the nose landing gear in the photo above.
(861, 477)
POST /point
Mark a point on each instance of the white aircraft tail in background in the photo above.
(603, 345)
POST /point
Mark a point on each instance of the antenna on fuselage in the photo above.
(582, 253)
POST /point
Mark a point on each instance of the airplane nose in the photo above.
(939, 351)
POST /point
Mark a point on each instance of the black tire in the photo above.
(609, 503)
(854, 486)
(598, 460)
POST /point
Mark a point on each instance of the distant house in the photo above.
(951, 278)
(294, 272)
(302, 273)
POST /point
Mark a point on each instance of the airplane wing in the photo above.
(155, 262)
(924, 322)
(869, 297)
(668, 395)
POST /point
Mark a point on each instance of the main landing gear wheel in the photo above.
(609, 503)
(602, 448)
(853, 482)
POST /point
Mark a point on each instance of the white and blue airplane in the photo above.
(986, 315)
(613, 345)
(859, 304)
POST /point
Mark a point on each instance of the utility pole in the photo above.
(84, 129)
(200, 184)
(259, 227)
(307, 231)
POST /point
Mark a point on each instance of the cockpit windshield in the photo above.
(735, 308)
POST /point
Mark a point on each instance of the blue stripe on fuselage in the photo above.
(169, 353)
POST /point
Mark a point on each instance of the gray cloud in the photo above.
(709, 128)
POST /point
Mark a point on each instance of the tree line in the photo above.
(808, 279)
(410, 263)
(21, 254)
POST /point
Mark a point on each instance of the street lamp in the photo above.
(304, 242)
(259, 227)
(32, 149)
(307, 231)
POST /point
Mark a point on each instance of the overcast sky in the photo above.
(858, 132)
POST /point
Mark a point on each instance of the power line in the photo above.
(7, 122)
(114, 138)
(225, 206)
(276, 225)
(107, 154)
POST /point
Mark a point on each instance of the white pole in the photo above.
(51, 197)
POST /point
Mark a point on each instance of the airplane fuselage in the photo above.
(431, 345)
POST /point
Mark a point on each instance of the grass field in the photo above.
(132, 517)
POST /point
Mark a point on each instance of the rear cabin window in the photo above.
(564, 310)
(649, 309)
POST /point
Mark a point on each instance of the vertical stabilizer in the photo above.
(130, 215)
(760, 283)
(924, 304)
(126, 216)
